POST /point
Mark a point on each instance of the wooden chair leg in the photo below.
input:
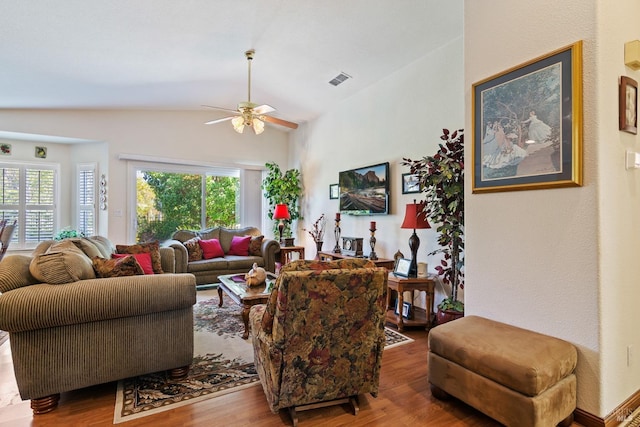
(355, 404)
(567, 421)
(293, 415)
(42, 405)
(179, 373)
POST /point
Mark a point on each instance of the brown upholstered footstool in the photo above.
(516, 376)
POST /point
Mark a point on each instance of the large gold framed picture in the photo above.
(527, 125)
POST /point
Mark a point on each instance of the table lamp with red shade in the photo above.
(281, 212)
(414, 217)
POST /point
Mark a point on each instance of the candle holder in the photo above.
(336, 233)
(372, 243)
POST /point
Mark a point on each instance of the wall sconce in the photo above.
(632, 54)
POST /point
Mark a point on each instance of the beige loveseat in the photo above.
(73, 335)
(207, 270)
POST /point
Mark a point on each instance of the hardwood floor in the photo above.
(404, 400)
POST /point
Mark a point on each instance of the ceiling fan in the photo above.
(250, 114)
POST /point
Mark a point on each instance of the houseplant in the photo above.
(282, 187)
(317, 233)
(441, 178)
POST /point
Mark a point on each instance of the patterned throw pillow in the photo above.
(240, 245)
(143, 259)
(211, 248)
(193, 249)
(61, 263)
(116, 267)
(151, 247)
(255, 246)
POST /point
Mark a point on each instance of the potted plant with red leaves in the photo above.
(441, 178)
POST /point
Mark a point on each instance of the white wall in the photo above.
(400, 116)
(179, 135)
(562, 261)
(618, 207)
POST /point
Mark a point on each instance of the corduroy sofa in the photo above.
(320, 337)
(72, 335)
(207, 271)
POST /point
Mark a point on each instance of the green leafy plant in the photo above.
(282, 188)
(67, 233)
(442, 181)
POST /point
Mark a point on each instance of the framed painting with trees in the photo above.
(527, 125)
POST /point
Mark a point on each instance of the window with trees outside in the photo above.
(28, 195)
(191, 198)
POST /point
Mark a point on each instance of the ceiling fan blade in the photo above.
(221, 109)
(280, 122)
(263, 109)
(219, 120)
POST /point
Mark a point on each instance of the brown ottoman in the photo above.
(515, 376)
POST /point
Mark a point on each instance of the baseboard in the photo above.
(615, 418)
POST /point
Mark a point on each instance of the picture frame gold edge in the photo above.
(576, 130)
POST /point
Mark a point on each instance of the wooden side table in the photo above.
(402, 284)
(287, 251)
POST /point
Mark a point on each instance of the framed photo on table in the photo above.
(402, 267)
(628, 110)
(527, 125)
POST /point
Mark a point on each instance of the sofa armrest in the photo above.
(44, 306)
(270, 251)
(168, 259)
(180, 254)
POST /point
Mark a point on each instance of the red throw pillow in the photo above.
(144, 259)
(211, 248)
(240, 245)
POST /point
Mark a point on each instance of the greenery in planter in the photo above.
(67, 233)
(442, 181)
(283, 188)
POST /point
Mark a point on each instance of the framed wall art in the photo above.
(628, 110)
(41, 152)
(410, 183)
(334, 191)
(527, 125)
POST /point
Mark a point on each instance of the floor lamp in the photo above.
(281, 212)
(414, 217)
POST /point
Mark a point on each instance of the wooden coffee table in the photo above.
(243, 295)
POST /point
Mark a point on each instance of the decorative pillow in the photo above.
(116, 267)
(255, 246)
(86, 246)
(62, 263)
(211, 248)
(143, 259)
(151, 247)
(193, 249)
(240, 245)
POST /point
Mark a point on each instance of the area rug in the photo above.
(223, 363)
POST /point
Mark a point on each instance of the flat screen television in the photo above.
(365, 191)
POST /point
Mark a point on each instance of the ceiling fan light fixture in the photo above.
(238, 124)
(258, 126)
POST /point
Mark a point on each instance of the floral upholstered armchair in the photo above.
(319, 339)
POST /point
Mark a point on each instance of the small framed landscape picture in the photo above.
(410, 183)
(334, 191)
(402, 267)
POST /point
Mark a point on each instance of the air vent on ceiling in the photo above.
(340, 78)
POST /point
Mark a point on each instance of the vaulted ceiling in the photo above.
(181, 54)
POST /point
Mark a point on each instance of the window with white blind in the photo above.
(87, 199)
(28, 195)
